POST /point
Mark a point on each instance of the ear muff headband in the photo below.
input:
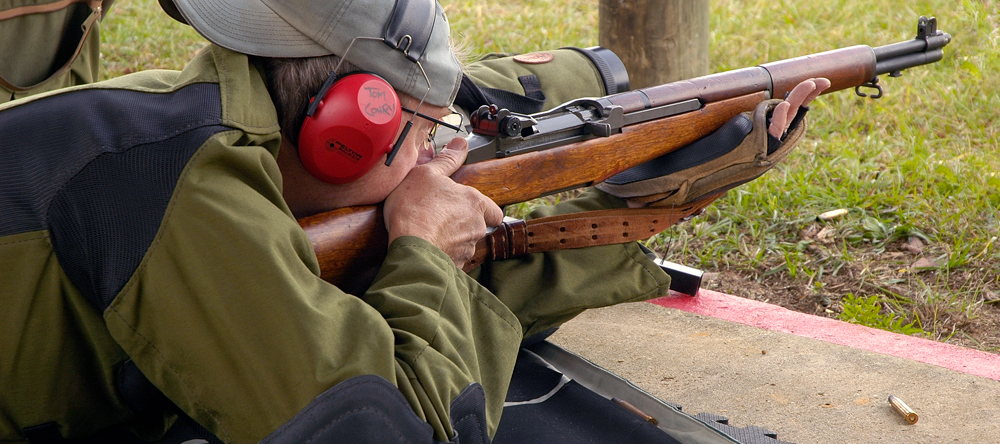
(349, 128)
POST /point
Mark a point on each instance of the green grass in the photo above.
(136, 35)
(920, 163)
(868, 311)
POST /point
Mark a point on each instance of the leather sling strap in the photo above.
(584, 229)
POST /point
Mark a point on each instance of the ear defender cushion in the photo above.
(353, 126)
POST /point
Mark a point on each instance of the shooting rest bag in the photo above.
(738, 152)
(50, 44)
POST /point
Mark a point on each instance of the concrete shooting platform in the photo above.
(806, 378)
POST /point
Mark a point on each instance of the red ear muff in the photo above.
(352, 127)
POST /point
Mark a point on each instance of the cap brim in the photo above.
(259, 31)
(171, 9)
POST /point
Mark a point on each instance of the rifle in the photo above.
(515, 157)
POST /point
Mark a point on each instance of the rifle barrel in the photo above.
(900, 63)
(925, 48)
(845, 67)
(916, 52)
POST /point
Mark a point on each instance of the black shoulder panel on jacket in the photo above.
(97, 167)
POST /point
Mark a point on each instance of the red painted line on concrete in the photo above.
(775, 318)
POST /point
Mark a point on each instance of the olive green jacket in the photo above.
(57, 45)
(223, 310)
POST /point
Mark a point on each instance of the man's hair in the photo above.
(292, 82)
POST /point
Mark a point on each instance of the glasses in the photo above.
(451, 121)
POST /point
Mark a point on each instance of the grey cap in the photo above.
(313, 28)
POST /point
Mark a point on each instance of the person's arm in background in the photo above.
(54, 48)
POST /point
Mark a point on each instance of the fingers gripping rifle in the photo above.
(515, 157)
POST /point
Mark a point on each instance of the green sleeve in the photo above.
(228, 317)
(568, 75)
(53, 49)
(449, 330)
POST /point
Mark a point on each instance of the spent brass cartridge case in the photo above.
(635, 410)
(908, 414)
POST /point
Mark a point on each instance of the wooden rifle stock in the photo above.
(523, 177)
(351, 243)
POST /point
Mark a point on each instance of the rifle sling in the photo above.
(577, 230)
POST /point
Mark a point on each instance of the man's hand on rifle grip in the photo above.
(800, 96)
(428, 204)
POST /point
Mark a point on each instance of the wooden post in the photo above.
(659, 41)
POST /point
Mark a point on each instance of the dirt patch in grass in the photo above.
(970, 320)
